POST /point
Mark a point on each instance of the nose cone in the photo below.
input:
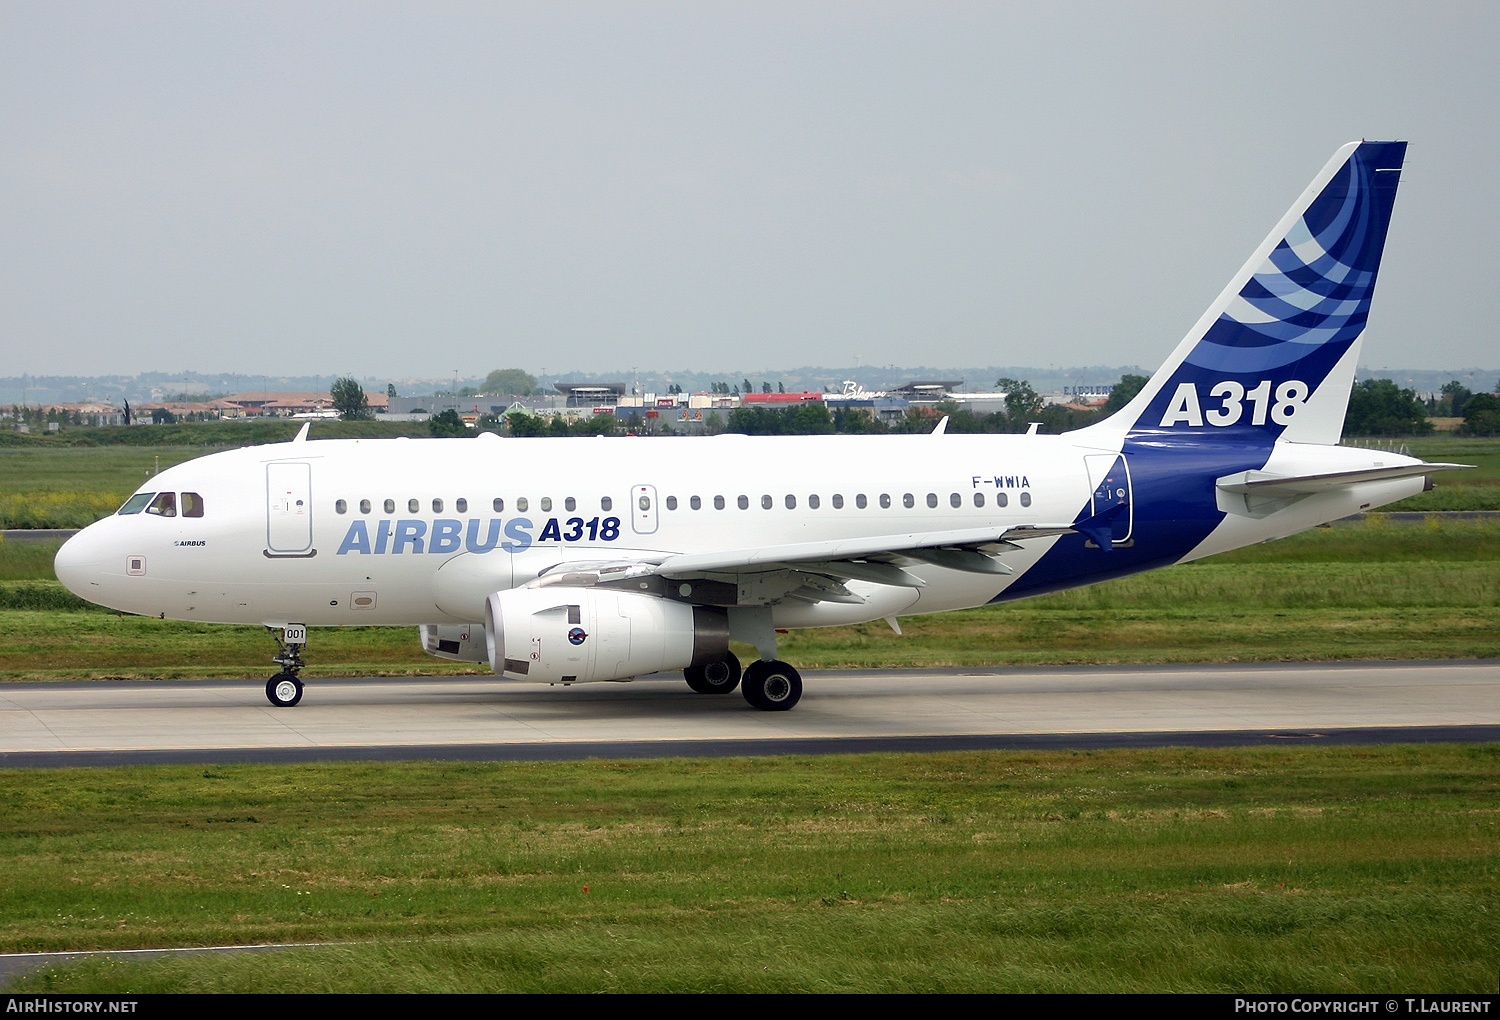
(77, 565)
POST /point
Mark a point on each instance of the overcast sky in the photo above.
(413, 189)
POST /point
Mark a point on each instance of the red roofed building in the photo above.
(806, 396)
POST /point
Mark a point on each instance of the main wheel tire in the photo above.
(284, 690)
(719, 677)
(771, 685)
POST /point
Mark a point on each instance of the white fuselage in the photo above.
(360, 532)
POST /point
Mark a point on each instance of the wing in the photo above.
(808, 571)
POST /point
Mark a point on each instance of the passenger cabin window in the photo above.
(671, 503)
(791, 502)
(1001, 499)
(570, 504)
(908, 501)
(605, 503)
(744, 502)
(521, 504)
(765, 502)
(390, 506)
(461, 506)
(838, 501)
(718, 502)
(340, 506)
(135, 504)
(1025, 499)
(979, 499)
(812, 502)
(364, 506)
(498, 504)
(955, 500)
(932, 500)
(885, 501)
(413, 506)
(437, 506)
(546, 504)
(860, 501)
(695, 503)
(164, 505)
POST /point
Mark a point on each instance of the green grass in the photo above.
(1379, 539)
(43, 487)
(1252, 870)
(1478, 489)
(23, 560)
(123, 469)
(73, 478)
(206, 434)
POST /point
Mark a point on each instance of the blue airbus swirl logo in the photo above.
(1314, 288)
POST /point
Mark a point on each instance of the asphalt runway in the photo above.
(481, 718)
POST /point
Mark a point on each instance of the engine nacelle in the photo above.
(464, 642)
(575, 635)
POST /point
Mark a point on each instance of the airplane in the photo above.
(577, 560)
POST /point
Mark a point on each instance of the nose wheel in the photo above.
(284, 690)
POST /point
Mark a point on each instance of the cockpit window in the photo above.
(192, 504)
(135, 504)
(164, 505)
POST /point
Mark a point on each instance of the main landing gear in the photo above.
(767, 684)
(284, 689)
(718, 677)
(771, 685)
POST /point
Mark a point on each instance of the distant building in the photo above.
(926, 390)
(591, 394)
(284, 405)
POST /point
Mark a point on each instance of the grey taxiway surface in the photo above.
(482, 718)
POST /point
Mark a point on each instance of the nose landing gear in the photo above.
(284, 689)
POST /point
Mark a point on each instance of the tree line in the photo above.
(1377, 407)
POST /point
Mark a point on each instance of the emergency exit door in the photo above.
(643, 509)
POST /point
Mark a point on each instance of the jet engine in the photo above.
(575, 635)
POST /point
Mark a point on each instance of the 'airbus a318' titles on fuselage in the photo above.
(577, 560)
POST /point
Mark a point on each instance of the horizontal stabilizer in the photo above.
(1265, 483)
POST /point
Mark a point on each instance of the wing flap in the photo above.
(807, 571)
(800, 555)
